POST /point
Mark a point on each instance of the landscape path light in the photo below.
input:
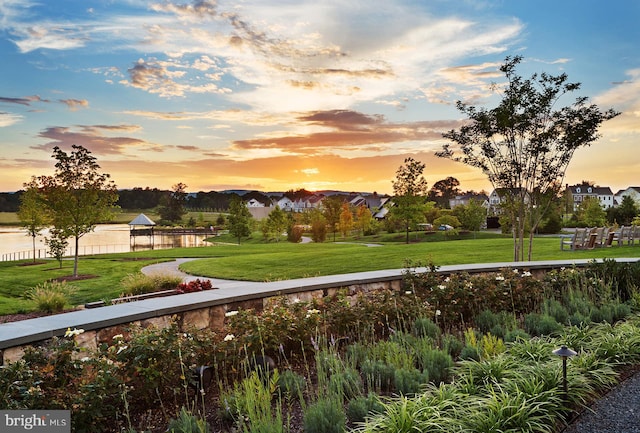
(565, 353)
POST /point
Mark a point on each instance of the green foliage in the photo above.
(172, 205)
(451, 220)
(410, 190)
(239, 219)
(51, 296)
(361, 407)
(56, 244)
(275, 225)
(378, 376)
(291, 384)
(436, 364)
(516, 335)
(187, 422)
(324, 416)
(138, 284)
(591, 213)
(408, 381)
(31, 213)
(471, 216)
(541, 324)
(425, 327)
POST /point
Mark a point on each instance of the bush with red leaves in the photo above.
(194, 286)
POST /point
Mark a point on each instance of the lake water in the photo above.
(15, 244)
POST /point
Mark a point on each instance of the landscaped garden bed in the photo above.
(461, 352)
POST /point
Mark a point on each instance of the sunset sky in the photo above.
(287, 94)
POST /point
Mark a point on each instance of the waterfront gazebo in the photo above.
(146, 229)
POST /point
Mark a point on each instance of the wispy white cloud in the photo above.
(8, 119)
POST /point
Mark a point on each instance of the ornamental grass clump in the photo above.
(139, 284)
(51, 296)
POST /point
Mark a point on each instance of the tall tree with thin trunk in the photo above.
(331, 209)
(78, 196)
(410, 190)
(525, 144)
(32, 213)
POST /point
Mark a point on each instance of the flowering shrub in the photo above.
(194, 286)
(459, 298)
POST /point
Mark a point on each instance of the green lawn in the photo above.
(257, 261)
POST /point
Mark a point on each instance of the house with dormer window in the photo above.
(578, 193)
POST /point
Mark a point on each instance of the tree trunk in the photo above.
(33, 240)
(75, 258)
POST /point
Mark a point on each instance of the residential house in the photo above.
(254, 203)
(632, 191)
(307, 203)
(464, 200)
(578, 193)
(373, 202)
(286, 204)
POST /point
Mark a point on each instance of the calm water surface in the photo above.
(15, 239)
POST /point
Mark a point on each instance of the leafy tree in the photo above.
(444, 190)
(318, 226)
(57, 244)
(32, 213)
(275, 224)
(77, 196)
(346, 219)
(526, 142)
(624, 213)
(591, 213)
(410, 190)
(363, 219)
(331, 208)
(239, 220)
(471, 216)
(173, 204)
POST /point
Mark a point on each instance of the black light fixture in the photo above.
(201, 377)
(565, 353)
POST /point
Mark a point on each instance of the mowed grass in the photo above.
(289, 261)
(257, 261)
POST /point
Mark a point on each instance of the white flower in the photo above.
(73, 333)
(121, 349)
(313, 311)
(118, 336)
(229, 337)
(499, 278)
(230, 313)
(296, 300)
(408, 292)
(442, 287)
(515, 271)
(446, 280)
(85, 359)
(526, 274)
(438, 312)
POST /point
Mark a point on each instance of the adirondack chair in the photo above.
(625, 235)
(599, 237)
(611, 235)
(576, 241)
